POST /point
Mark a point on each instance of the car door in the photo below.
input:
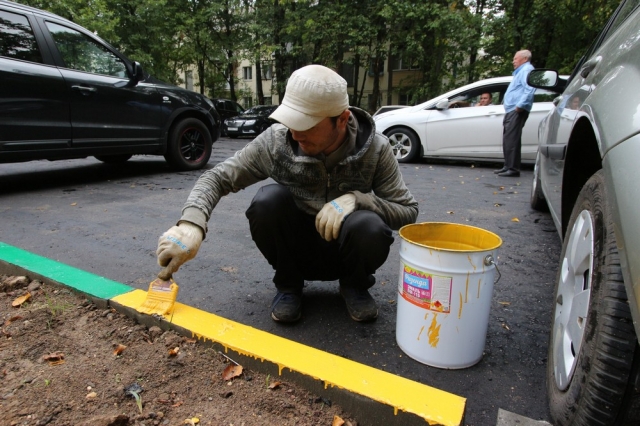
(34, 100)
(467, 130)
(106, 111)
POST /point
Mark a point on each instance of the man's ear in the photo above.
(343, 118)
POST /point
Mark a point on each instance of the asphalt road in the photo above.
(106, 220)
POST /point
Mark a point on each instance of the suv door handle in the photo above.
(589, 66)
(85, 90)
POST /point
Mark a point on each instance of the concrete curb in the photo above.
(373, 396)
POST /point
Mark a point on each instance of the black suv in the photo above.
(65, 93)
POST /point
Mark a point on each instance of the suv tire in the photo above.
(189, 146)
(593, 352)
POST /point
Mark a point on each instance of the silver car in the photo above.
(587, 175)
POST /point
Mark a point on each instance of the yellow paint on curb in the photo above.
(434, 405)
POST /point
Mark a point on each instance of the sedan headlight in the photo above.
(249, 122)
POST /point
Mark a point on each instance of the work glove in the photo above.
(330, 218)
(176, 246)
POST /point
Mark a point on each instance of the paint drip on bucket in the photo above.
(445, 288)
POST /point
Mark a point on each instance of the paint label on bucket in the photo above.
(426, 290)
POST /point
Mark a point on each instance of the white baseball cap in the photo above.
(313, 93)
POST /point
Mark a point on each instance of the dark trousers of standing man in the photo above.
(288, 239)
(512, 138)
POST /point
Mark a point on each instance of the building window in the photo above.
(348, 74)
(403, 99)
(246, 73)
(266, 68)
(248, 102)
(266, 100)
(371, 66)
(404, 63)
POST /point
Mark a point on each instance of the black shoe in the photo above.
(286, 307)
(509, 173)
(502, 170)
(360, 304)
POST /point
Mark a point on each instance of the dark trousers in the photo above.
(288, 239)
(512, 138)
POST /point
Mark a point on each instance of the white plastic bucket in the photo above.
(445, 288)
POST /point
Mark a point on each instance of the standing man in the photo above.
(485, 99)
(517, 104)
(338, 195)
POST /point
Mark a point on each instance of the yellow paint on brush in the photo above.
(460, 308)
(437, 407)
(434, 332)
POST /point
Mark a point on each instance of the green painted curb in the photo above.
(84, 282)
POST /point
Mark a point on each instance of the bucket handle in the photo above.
(488, 261)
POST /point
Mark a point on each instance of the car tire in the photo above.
(114, 159)
(537, 200)
(593, 351)
(405, 144)
(189, 146)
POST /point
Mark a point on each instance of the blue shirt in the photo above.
(519, 93)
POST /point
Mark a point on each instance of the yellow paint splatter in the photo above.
(420, 333)
(466, 290)
(479, 283)
(471, 263)
(460, 308)
(434, 332)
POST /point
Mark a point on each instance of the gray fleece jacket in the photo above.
(364, 166)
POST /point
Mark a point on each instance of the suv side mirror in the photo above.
(546, 79)
(137, 74)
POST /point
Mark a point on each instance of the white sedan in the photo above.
(452, 127)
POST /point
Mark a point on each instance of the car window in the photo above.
(81, 53)
(471, 97)
(16, 38)
(542, 95)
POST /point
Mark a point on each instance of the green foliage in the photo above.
(448, 42)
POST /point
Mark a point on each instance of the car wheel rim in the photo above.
(572, 299)
(192, 145)
(400, 144)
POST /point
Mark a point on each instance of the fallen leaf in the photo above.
(497, 205)
(450, 212)
(231, 269)
(74, 204)
(192, 421)
(12, 319)
(177, 404)
(91, 395)
(231, 371)
(515, 219)
(275, 385)
(54, 358)
(174, 351)
(118, 350)
(505, 326)
(504, 303)
(337, 421)
(501, 188)
(20, 300)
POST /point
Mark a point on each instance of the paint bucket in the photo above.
(445, 288)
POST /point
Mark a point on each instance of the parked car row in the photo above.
(66, 93)
(586, 174)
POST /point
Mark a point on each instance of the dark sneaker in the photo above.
(286, 307)
(360, 304)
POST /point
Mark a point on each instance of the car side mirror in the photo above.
(443, 104)
(546, 79)
(137, 74)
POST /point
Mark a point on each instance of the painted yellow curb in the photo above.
(434, 405)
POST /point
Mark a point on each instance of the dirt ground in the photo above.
(64, 361)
